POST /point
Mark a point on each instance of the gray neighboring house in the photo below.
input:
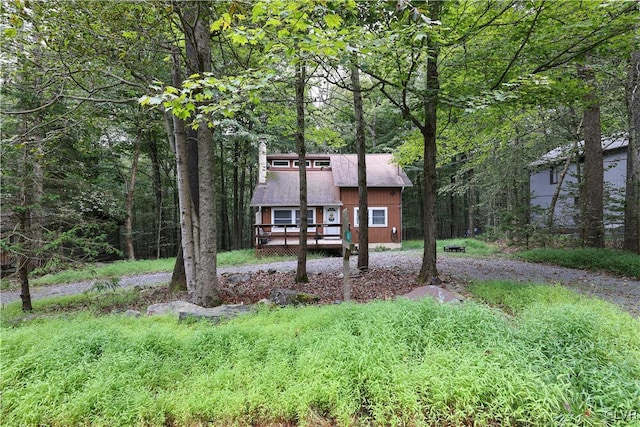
(545, 173)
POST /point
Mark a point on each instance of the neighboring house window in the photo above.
(377, 217)
(553, 176)
(296, 163)
(291, 216)
(280, 163)
(321, 163)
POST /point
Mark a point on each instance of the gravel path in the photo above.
(459, 269)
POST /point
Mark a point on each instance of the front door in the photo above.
(332, 218)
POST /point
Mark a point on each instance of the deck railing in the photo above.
(264, 233)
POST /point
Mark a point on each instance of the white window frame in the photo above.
(356, 220)
(321, 163)
(283, 164)
(294, 215)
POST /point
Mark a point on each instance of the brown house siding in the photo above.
(391, 198)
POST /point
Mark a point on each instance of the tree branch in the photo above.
(35, 110)
(520, 49)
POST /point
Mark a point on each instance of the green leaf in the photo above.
(10, 32)
(239, 39)
(333, 21)
(258, 11)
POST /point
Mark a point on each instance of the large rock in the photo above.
(439, 294)
(186, 310)
(284, 297)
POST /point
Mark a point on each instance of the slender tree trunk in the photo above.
(184, 192)
(632, 197)
(235, 238)
(152, 147)
(300, 82)
(471, 212)
(225, 237)
(361, 147)
(128, 221)
(556, 191)
(24, 223)
(178, 278)
(593, 186)
(241, 196)
(428, 270)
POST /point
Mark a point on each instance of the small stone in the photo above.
(236, 278)
(283, 297)
(132, 313)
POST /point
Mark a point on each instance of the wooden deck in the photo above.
(285, 241)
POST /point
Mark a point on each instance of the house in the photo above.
(332, 186)
(545, 174)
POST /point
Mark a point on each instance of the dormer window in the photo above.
(280, 163)
(296, 163)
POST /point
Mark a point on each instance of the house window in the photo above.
(280, 163)
(377, 217)
(553, 176)
(296, 163)
(321, 163)
(291, 216)
(282, 217)
(310, 216)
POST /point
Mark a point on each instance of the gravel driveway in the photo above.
(454, 269)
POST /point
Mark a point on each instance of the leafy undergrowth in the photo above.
(611, 260)
(473, 246)
(557, 359)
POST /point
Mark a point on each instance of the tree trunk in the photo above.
(152, 147)
(241, 204)
(361, 147)
(593, 185)
(556, 191)
(184, 192)
(225, 228)
(236, 233)
(128, 221)
(428, 269)
(632, 197)
(301, 271)
(178, 277)
(195, 21)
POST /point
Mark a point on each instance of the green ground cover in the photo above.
(130, 268)
(609, 260)
(538, 355)
(473, 246)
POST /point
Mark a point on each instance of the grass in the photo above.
(557, 359)
(473, 246)
(610, 260)
(130, 268)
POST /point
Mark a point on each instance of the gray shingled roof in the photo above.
(381, 172)
(611, 143)
(323, 187)
(283, 189)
